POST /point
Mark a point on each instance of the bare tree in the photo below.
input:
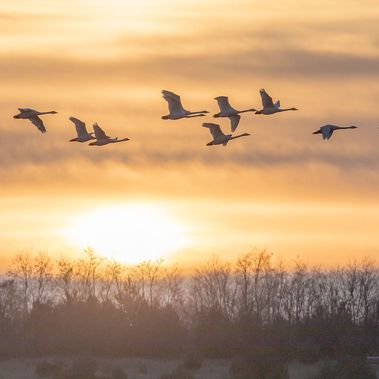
(87, 270)
(21, 271)
(11, 303)
(173, 291)
(147, 274)
(110, 280)
(65, 279)
(214, 287)
(256, 281)
(42, 276)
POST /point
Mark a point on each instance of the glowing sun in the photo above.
(129, 233)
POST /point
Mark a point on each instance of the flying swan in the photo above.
(219, 138)
(269, 107)
(226, 110)
(32, 116)
(176, 109)
(81, 131)
(327, 130)
(102, 139)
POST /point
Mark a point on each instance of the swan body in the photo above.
(176, 108)
(32, 116)
(269, 107)
(327, 130)
(81, 131)
(102, 139)
(226, 110)
(219, 138)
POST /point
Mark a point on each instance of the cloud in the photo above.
(28, 148)
(245, 65)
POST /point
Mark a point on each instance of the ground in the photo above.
(138, 368)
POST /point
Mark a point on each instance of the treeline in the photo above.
(221, 310)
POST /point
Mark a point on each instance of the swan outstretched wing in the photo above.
(266, 99)
(174, 103)
(27, 110)
(327, 131)
(234, 121)
(214, 129)
(223, 103)
(80, 126)
(35, 120)
(99, 133)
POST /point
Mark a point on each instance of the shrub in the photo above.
(179, 373)
(346, 368)
(259, 367)
(118, 373)
(192, 362)
(142, 368)
(46, 369)
(82, 368)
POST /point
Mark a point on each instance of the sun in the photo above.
(129, 233)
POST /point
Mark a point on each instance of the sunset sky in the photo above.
(165, 193)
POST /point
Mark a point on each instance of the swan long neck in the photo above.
(240, 135)
(115, 140)
(49, 112)
(286, 109)
(247, 110)
(197, 112)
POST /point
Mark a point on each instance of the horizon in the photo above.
(211, 264)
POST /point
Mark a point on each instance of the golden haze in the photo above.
(282, 189)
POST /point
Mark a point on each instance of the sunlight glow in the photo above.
(129, 233)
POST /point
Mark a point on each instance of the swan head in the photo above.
(293, 109)
(72, 140)
(210, 143)
(353, 127)
(53, 112)
(16, 116)
(258, 112)
(216, 115)
(92, 144)
(165, 117)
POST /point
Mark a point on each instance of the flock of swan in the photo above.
(176, 112)
(82, 134)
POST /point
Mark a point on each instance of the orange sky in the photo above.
(282, 188)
